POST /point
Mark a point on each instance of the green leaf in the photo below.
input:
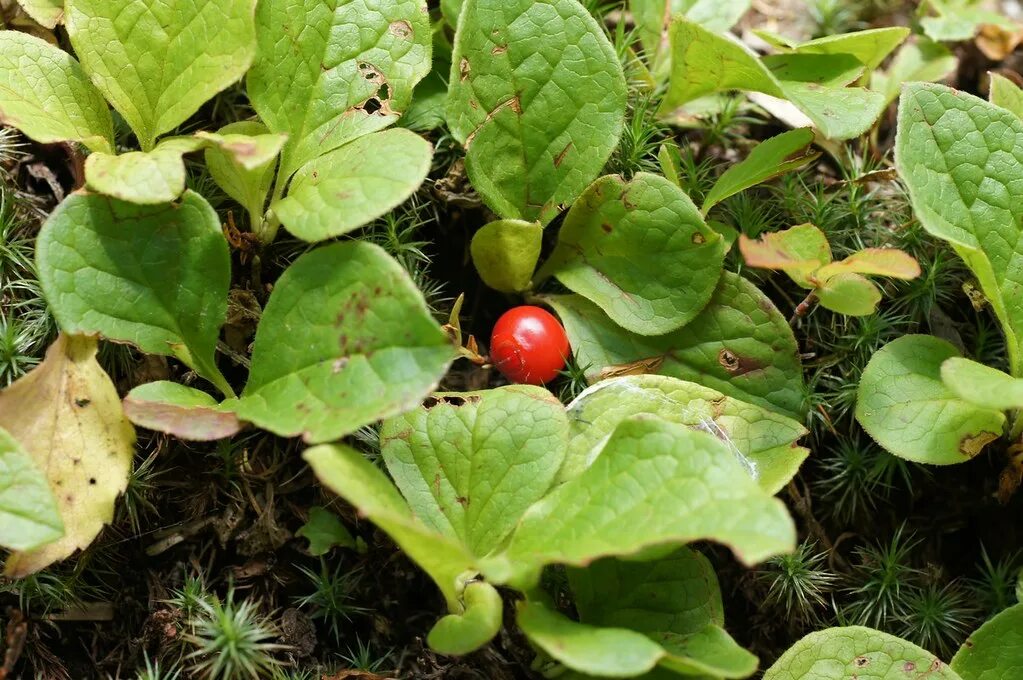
(855, 652)
(471, 463)
(67, 416)
(329, 72)
(325, 531)
(981, 385)
(961, 159)
(654, 483)
(143, 177)
(771, 158)
(849, 294)
(601, 652)
(46, 13)
(154, 276)
(29, 517)
(641, 251)
(903, 404)
(347, 473)
(505, 253)
(798, 251)
(889, 262)
(370, 348)
(1006, 94)
(704, 63)
(919, 59)
(348, 187)
(458, 634)
(739, 345)
(763, 442)
(537, 95)
(652, 18)
(45, 93)
(710, 651)
(995, 650)
(958, 20)
(869, 47)
(157, 63)
(244, 179)
(181, 411)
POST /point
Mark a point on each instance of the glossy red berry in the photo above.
(529, 345)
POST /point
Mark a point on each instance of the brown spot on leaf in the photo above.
(499, 49)
(699, 239)
(464, 69)
(401, 29)
(560, 158)
(737, 365)
(971, 445)
(451, 400)
(861, 662)
(92, 481)
(607, 228)
(463, 501)
(82, 402)
(339, 364)
(909, 667)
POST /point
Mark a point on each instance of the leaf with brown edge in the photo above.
(67, 416)
(798, 252)
(181, 411)
(874, 262)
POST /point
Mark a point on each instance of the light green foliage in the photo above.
(181, 411)
(47, 13)
(954, 20)
(739, 345)
(143, 177)
(855, 652)
(246, 181)
(762, 441)
(347, 473)
(869, 47)
(995, 650)
(982, 385)
(904, 405)
(537, 95)
(1006, 94)
(325, 531)
(704, 63)
(641, 251)
(773, 157)
(352, 185)
(653, 17)
(370, 348)
(654, 484)
(919, 59)
(962, 161)
(505, 253)
(329, 72)
(154, 276)
(470, 464)
(45, 93)
(803, 252)
(466, 632)
(158, 62)
(28, 511)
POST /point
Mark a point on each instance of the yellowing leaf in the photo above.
(67, 416)
(873, 262)
(849, 294)
(798, 252)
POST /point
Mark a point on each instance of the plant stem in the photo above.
(803, 308)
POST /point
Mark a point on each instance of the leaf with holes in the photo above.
(765, 443)
(962, 161)
(348, 187)
(995, 650)
(641, 251)
(904, 405)
(856, 652)
(29, 517)
(698, 488)
(370, 347)
(153, 276)
(158, 62)
(45, 93)
(67, 416)
(471, 463)
(181, 411)
(329, 72)
(739, 345)
(537, 95)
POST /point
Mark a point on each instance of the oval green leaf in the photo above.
(458, 634)
(537, 95)
(181, 411)
(505, 253)
(995, 650)
(370, 348)
(904, 405)
(982, 385)
(641, 251)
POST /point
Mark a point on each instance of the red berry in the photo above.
(529, 345)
